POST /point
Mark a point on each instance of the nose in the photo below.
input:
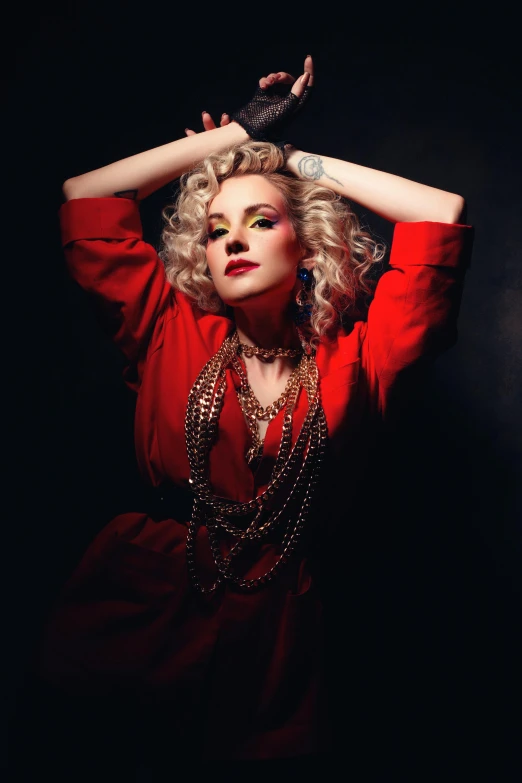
(236, 242)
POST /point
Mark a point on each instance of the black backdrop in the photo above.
(429, 94)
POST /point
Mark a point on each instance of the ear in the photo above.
(308, 262)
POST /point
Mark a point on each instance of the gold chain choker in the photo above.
(267, 353)
(283, 508)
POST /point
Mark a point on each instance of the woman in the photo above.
(260, 389)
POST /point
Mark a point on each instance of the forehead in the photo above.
(240, 192)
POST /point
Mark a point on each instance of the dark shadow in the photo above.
(425, 630)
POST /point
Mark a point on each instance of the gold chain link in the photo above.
(267, 353)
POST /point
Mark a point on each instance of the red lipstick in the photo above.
(239, 265)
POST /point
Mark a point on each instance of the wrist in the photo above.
(286, 148)
(235, 131)
(292, 157)
(249, 131)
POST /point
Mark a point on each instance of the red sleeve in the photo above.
(417, 300)
(106, 255)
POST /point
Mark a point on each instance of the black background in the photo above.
(430, 93)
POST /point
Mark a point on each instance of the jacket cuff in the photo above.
(99, 218)
(431, 244)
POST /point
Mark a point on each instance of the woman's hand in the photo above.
(208, 123)
(281, 77)
(272, 104)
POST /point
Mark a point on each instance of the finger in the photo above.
(268, 81)
(300, 84)
(284, 78)
(208, 122)
(225, 119)
(277, 77)
(309, 68)
(190, 132)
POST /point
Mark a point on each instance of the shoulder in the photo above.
(197, 327)
(344, 349)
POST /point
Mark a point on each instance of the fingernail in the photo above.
(224, 114)
(204, 111)
(186, 129)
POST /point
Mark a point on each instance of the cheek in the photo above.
(280, 244)
(286, 237)
(290, 255)
(289, 245)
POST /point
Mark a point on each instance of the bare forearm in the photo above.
(140, 175)
(392, 197)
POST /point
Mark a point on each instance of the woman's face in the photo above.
(252, 250)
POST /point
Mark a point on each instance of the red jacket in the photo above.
(243, 666)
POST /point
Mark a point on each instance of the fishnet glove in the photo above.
(270, 111)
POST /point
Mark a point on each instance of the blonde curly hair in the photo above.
(343, 255)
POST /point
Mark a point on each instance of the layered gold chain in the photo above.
(254, 411)
(285, 504)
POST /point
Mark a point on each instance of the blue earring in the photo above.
(304, 299)
(305, 276)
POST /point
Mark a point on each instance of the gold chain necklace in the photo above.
(267, 353)
(254, 411)
(286, 502)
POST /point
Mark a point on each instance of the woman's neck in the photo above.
(266, 329)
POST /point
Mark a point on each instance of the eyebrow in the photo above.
(247, 211)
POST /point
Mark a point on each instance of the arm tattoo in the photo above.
(132, 194)
(311, 167)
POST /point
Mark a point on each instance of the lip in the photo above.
(239, 265)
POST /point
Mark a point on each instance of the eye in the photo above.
(263, 223)
(218, 232)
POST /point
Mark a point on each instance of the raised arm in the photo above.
(140, 175)
(392, 197)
